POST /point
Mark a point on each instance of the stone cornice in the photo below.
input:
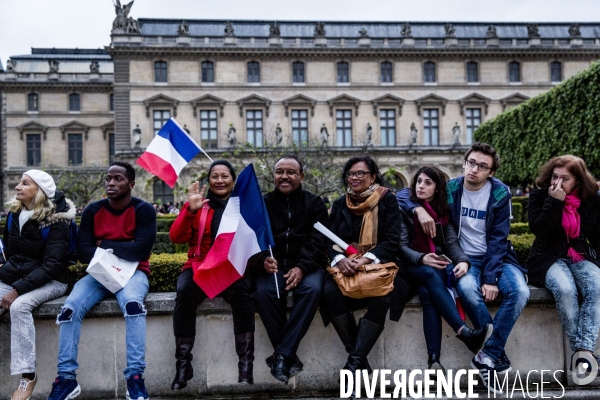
(45, 86)
(532, 52)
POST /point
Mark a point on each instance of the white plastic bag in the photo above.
(111, 271)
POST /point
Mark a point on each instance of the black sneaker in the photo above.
(502, 365)
(64, 389)
(136, 389)
(486, 373)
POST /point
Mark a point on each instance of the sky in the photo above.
(87, 23)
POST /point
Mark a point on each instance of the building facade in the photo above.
(409, 93)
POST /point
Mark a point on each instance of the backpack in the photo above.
(45, 231)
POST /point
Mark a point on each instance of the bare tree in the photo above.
(82, 186)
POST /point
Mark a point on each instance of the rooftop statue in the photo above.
(320, 29)
(94, 67)
(53, 64)
(183, 29)
(406, 30)
(229, 31)
(10, 65)
(123, 21)
(274, 29)
(491, 32)
(449, 30)
(575, 31)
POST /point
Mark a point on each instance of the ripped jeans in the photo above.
(86, 294)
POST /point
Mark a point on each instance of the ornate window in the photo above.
(111, 147)
(160, 118)
(429, 72)
(74, 102)
(111, 102)
(431, 127)
(34, 150)
(162, 193)
(386, 72)
(343, 123)
(208, 72)
(298, 72)
(343, 72)
(555, 71)
(253, 72)
(473, 116)
(33, 102)
(300, 127)
(254, 127)
(472, 72)
(514, 71)
(208, 129)
(75, 148)
(387, 127)
(160, 71)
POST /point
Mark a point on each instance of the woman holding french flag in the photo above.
(197, 225)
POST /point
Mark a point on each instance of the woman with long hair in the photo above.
(197, 225)
(35, 269)
(564, 216)
(367, 216)
(431, 262)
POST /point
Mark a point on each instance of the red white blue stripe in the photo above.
(169, 152)
(244, 231)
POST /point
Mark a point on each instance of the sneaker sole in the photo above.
(504, 371)
(76, 392)
(485, 379)
(487, 336)
(138, 398)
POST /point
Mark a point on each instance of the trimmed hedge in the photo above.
(163, 244)
(517, 213)
(522, 244)
(164, 222)
(519, 228)
(524, 201)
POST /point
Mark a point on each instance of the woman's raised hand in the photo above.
(196, 197)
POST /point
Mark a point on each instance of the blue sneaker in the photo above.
(136, 389)
(64, 389)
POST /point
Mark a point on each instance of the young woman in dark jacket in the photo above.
(185, 229)
(564, 216)
(421, 256)
(367, 216)
(35, 269)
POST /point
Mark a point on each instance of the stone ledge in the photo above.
(163, 304)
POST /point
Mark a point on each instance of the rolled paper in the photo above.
(335, 239)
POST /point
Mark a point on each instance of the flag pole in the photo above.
(274, 275)
(201, 149)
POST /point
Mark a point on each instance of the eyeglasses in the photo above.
(481, 166)
(358, 174)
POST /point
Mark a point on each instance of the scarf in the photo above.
(366, 204)
(421, 242)
(571, 223)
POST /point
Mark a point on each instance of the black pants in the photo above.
(286, 333)
(338, 304)
(189, 297)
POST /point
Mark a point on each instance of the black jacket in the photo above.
(33, 261)
(451, 248)
(297, 242)
(550, 244)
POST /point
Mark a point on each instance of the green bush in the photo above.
(522, 245)
(165, 270)
(163, 244)
(163, 223)
(519, 228)
(517, 213)
(524, 201)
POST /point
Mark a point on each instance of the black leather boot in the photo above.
(434, 363)
(367, 334)
(183, 367)
(346, 328)
(475, 339)
(244, 347)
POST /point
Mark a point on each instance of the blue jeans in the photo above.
(435, 300)
(566, 279)
(86, 294)
(512, 286)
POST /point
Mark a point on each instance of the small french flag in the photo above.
(2, 249)
(169, 152)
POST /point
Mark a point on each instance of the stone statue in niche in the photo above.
(95, 67)
(274, 29)
(229, 31)
(11, 65)
(456, 133)
(53, 64)
(183, 29)
(320, 29)
(406, 30)
(231, 135)
(278, 135)
(137, 136)
(369, 136)
(413, 134)
(324, 135)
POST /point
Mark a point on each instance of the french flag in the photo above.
(170, 151)
(244, 231)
